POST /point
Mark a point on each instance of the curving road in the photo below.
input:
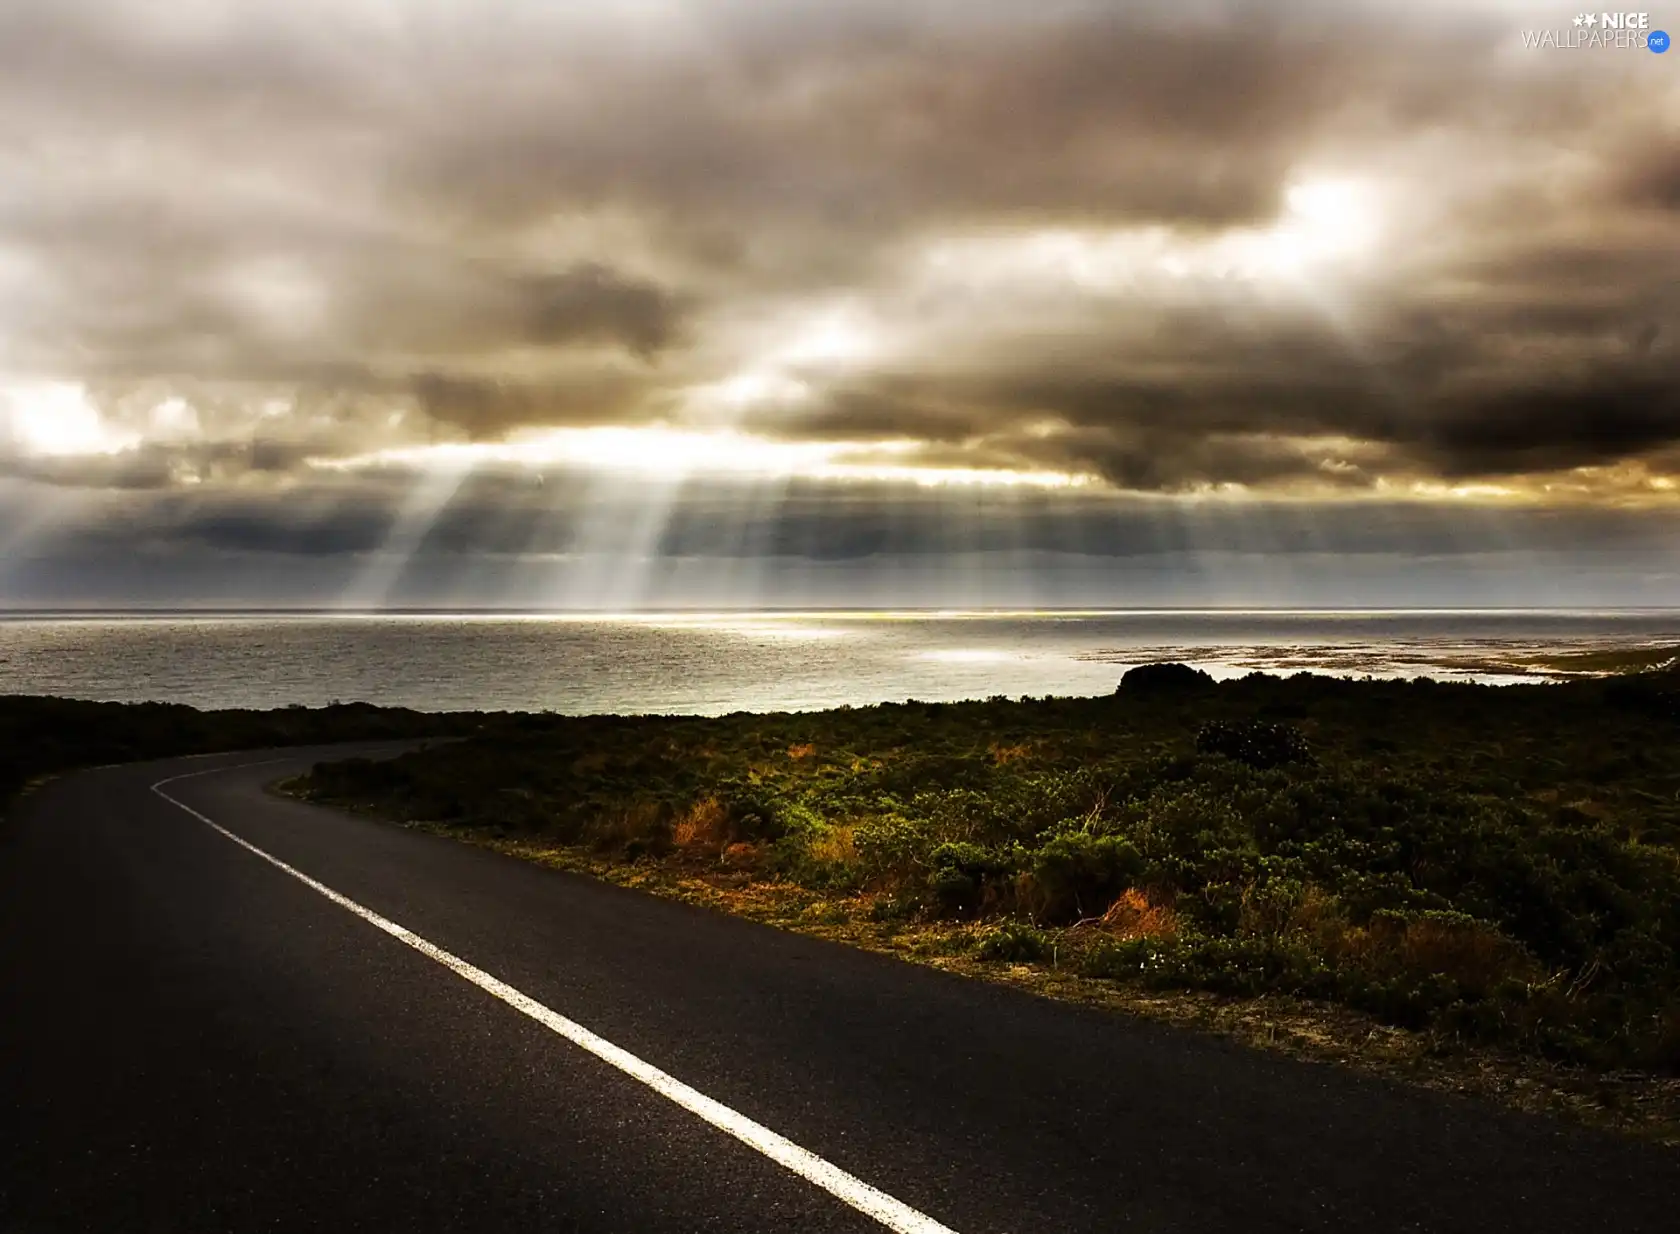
(224, 1011)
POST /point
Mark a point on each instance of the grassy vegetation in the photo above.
(44, 736)
(1604, 660)
(1492, 866)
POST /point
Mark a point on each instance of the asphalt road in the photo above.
(193, 1038)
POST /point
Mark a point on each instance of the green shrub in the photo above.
(893, 908)
(963, 874)
(1077, 874)
(1015, 942)
(1151, 960)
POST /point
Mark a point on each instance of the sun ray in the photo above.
(429, 495)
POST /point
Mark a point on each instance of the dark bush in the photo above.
(962, 874)
(1159, 679)
(1256, 743)
(1077, 874)
(1649, 694)
(41, 736)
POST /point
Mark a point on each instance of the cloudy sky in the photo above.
(651, 302)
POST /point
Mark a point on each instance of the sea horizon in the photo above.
(861, 611)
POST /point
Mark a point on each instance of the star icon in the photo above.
(1580, 20)
(1592, 19)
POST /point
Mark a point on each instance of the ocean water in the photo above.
(715, 663)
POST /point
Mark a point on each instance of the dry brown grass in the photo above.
(1137, 915)
(639, 822)
(1469, 953)
(802, 751)
(740, 856)
(1317, 915)
(704, 824)
(837, 845)
(1472, 955)
(1002, 754)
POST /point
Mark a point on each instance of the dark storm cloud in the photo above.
(485, 407)
(861, 121)
(591, 302)
(1653, 180)
(1584, 373)
(822, 526)
(817, 526)
(255, 528)
(159, 466)
(1624, 414)
(326, 520)
(821, 522)
(499, 541)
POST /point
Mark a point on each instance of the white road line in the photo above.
(868, 1200)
